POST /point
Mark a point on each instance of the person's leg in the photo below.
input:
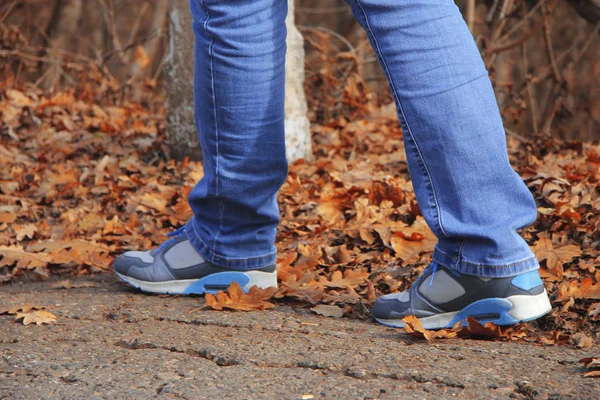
(239, 106)
(468, 193)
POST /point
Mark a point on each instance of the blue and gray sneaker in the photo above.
(442, 297)
(176, 268)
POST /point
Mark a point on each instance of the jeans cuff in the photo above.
(485, 270)
(222, 260)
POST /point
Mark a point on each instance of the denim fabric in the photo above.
(455, 142)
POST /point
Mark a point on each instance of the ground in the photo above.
(112, 342)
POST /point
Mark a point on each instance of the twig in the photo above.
(470, 14)
(8, 11)
(525, 19)
(492, 11)
(517, 136)
(332, 33)
(548, 42)
(109, 18)
(532, 106)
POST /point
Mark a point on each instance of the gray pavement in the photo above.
(111, 342)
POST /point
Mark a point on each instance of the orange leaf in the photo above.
(413, 328)
(38, 317)
(555, 257)
(236, 299)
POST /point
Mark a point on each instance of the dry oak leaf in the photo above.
(16, 255)
(236, 299)
(491, 330)
(328, 311)
(38, 317)
(595, 312)
(555, 257)
(66, 284)
(153, 201)
(593, 364)
(414, 240)
(413, 328)
(586, 290)
(79, 246)
(24, 231)
(22, 309)
(350, 277)
(582, 341)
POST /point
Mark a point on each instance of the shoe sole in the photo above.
(501, 311)
(208, 284)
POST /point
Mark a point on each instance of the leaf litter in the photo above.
(85, 175)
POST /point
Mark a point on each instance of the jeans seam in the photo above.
(230, 259)
(400, 108)
(460, 251)
(214, 100)
(462, 261)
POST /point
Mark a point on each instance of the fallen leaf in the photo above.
(66, 284)
(236, 299)
(38, 317)
(595, 312)
(555, 257)
(24, 231)
(328, 311)
(12, 255)
(141, 57)
(413, 328)
(593, 364)
(585, 290)
(582, 341)
(350, 277)
(22, 309)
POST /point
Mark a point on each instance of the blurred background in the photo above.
(543, 55)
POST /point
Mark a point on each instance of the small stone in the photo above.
(168, 376)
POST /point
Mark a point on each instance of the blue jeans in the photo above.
(468, 193)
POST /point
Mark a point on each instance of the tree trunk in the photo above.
(61, 31)
(179, 80)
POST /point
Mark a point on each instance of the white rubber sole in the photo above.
(511, 310)
(199, 286)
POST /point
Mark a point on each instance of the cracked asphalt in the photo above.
(111, 342)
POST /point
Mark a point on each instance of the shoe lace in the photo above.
(432, 266)
(176, 234)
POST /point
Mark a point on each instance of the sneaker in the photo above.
(442, 297)
(176, 268)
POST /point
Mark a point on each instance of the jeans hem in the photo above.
(485, 270)
(246, 263)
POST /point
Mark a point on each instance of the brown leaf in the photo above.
(555, 257)
(582, 341)
(593, 364)
(328, 311)
(16, 255)
(66, 284)
(24, 231)
(236, 299)
(595, 312)
(413, 328)
(350, 277)
(22, 309)
(38, 317)
(141, 57)
(585, 290)
(413, 240)
(493, 331)
(7, 217)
